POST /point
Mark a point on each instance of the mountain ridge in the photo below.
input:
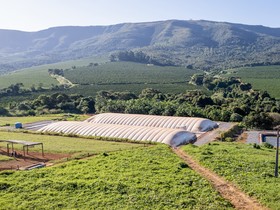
(201, 44)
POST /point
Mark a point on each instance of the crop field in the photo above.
(249, 168)
(128, 73)
(122, 76)
(91, 90)
(262, 78)
(142, 178)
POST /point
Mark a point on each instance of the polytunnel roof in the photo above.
(192, 124)
(173, 137)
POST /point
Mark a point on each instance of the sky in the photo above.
(34, 15)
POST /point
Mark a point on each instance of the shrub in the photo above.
(231, 133)
(256, 146)
(267, 145)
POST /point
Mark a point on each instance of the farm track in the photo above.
(62, 80)
(237, 198)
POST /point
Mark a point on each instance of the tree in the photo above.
(258, 120)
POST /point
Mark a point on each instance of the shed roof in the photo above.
(28, 143)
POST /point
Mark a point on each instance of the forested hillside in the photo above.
(196, 44)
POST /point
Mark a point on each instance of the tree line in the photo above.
(227, 99)
(139, 57)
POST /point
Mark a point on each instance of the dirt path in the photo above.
(62, 80)
(237, 198)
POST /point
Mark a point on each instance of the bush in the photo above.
(267, 145)
(231, 133)
(256, 146)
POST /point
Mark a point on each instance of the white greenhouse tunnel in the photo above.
(191, 124)
(173, 137)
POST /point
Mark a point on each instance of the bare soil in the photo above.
(31, 158)
(230, 192)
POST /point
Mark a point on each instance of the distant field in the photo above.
(262, 78)
(142, 178)
(128, 73)
(117, 76)
(249, 168)
(90, 90)
(122, 76)
(39, 74)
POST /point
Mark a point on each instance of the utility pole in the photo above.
(277, 152)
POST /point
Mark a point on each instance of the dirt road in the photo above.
(237, 198)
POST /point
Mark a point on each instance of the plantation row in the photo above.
(262, 78)
(128, 73)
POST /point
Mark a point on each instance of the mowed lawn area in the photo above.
(248, 167)
(142, 178)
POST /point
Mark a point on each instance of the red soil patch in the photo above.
(29, 159)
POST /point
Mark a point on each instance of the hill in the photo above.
(197, 44)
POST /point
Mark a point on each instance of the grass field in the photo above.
(143, 178)
(262, 78)
(29, 119)
(249, 168)
(60, 144)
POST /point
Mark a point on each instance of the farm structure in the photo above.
(25, 147)
(139, 133)
(173, 131)
(191, 124)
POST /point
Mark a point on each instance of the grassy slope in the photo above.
(39, 74)
(249, 168)
(144, 178)
(60, 144)
(262, 78)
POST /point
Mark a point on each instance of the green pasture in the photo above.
(61, 144)
(261, 77)
(251, 169)
(142, 178)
